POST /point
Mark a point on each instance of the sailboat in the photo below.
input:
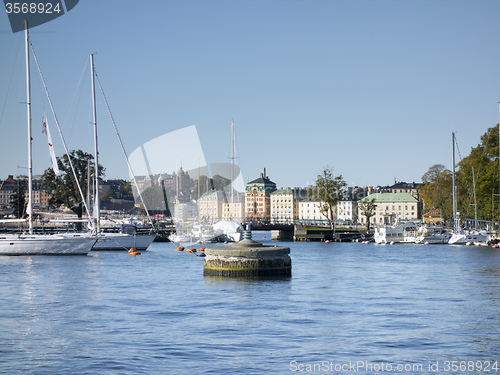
(463, 237)
(29, 243)
(127, 238)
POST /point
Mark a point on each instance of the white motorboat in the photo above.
(433, 235)
(477, 238)
(400, 232)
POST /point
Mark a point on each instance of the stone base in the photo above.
(249, 259)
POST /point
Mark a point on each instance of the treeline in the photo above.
(477, 183)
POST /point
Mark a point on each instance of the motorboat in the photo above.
(400, 232)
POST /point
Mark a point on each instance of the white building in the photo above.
(347, 211)
(210, 207)
(185, 211)
(309, 212)
(285, 205)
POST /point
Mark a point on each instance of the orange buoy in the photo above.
(201, 254)
(180, 248)
(191, 250)
(132, 251)
(201, 249)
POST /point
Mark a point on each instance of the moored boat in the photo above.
(400, 232)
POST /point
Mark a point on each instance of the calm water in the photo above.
(348, 308)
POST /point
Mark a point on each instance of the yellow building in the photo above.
(258, 198)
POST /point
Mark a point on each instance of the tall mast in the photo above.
(455, 218)
(30, 157)
(97, 209)
(232, 171)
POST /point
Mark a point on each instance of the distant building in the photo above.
(210, 207)
(347, 207)
(7, 188)
(40, 195)
(403, 187)
(285, 205)
(258, 198)
(234, 208)
(392, 207)
(185, 212)
(310, 213)
(432, 216)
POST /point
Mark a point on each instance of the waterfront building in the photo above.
(285, 205)
(347, 208)
(310, 213)
(233, 209)
(258, 198)
(347, 211)
(184, 212)
(210, 207)
(392, 207)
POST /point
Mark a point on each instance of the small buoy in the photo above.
(426, 242)
(132, 251)
(201, 254)
(327, 241)
(201, 249)
(191, 250)
(180, 248)
(392, 242)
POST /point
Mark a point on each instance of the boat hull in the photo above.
(121, 241)
(46, 245)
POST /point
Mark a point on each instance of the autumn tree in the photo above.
(329, 190)
(436, 190)
(483, 161)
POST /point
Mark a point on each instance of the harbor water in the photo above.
(347, 308)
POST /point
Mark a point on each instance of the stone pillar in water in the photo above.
(247, 258)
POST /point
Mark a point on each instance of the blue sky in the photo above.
(372, 89)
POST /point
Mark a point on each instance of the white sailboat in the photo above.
(127, 238)
(461, 236)
(40, 244)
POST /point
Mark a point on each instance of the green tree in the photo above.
(64, 188)
(367, 207)
(329, 190)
